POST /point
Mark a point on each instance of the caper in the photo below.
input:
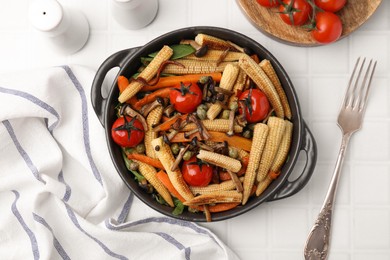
(226, 114)
(247, 134)
(204, 79)
(140, 148)
(175, 148)
(201, 113)
(233, 153)
(187, 155)
(203, 106)
(233, 106)
(133, 166)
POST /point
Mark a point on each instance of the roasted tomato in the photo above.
(254, 104)
(330, 5)
(196, 173)
(295, 12)
(328, 27)
(268, 3)
(186, 99)
(127, 131)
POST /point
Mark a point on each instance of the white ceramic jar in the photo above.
(134, 14)
(66, 29)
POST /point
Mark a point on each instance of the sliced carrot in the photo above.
(163, 177)
(218, 207)
(145, 159)
(166, 125)
(123, 82)
(170, 81)
(152, 97)
(255, 58)
(234, 141)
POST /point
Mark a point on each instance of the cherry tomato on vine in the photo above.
(254, 104)
(295, 12)
(196, 173)
(268, 3)
(328, 27)
(186, 99)
(330, 5)
(127, 131)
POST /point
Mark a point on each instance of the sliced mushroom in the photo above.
(202, 130)
(127, 110)
(179, 157)
(145, 110)
(236, 181)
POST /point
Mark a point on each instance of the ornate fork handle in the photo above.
(317, 243)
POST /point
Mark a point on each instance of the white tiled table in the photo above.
(276, 230)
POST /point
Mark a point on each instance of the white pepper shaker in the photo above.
(134, 14)
(65, 28)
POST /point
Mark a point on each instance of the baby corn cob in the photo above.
(147, 74)
(223, 186)
(253, 70)
(238, 86)
(220, 160)
(280, 158)
(215, 197)
(153, 119)
(260, 134)
(270, 71)
(164, 154)
(212, 42)
(218, 125)
(149, 172)
(195, 67)
(215, 55)
(276, 130)
(284, 148)
(228, 78)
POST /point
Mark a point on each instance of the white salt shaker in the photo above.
(65, 28)
(134, 14)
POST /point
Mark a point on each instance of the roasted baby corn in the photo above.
(280, 158)
(215, 197)
(195, 67)
(228, 79)
(147, 74)
(220, 160)
(223, 186)
(270, 71)
(215, 55)
(260, 134)
(253, 70)
(276, 130)
(213, 42)
(164, 154)
(149, 172)
(238, 86)
(218, 125)
(153, 118)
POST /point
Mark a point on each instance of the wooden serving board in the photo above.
(353, 15)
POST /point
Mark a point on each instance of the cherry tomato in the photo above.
(295, 12)
(255, 105)
(268, 3)
(328, 27)
(127, 131)
(196, 173)
(330, 5)
(186, 98)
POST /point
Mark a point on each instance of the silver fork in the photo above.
(350, 120)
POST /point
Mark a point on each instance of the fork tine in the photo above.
(369, 75)
(349, 95)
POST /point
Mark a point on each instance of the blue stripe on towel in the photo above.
(126, 208)
(36, 101)
(22, 152)
(104, 247)
(84, 115)
(33, 240)
(56, 243)
(173, 241)
(68, 191)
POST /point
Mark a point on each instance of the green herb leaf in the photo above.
(179, 207)
(179, 51)
(138, 177)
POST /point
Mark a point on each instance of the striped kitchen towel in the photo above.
(60, 195)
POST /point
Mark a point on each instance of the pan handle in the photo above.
(289, 188)
(117, 59)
